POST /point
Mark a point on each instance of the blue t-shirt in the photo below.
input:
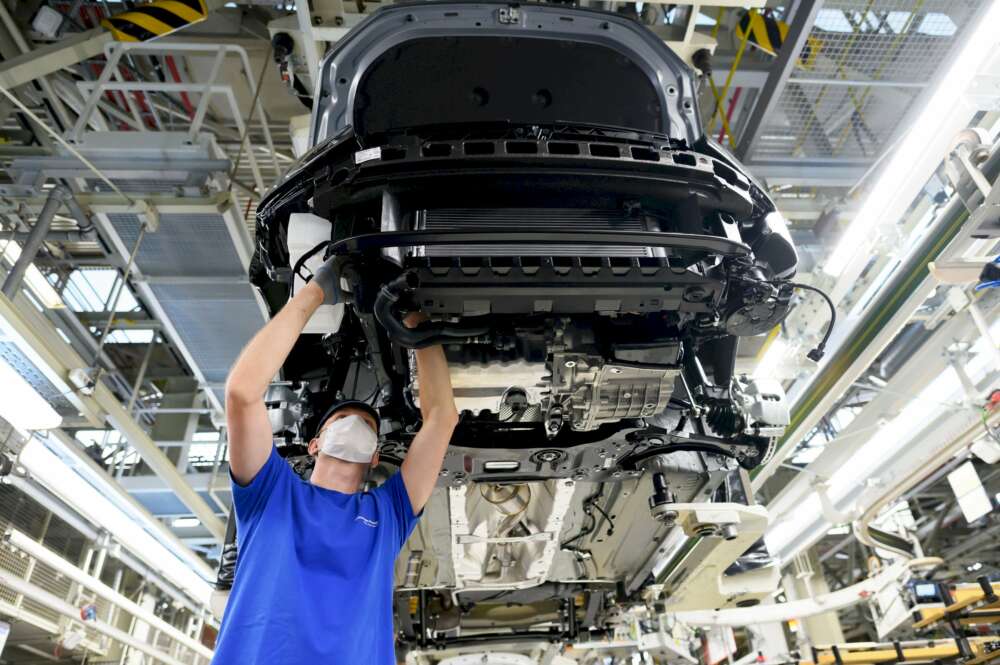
(314, 573)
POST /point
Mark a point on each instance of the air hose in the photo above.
(428, 333)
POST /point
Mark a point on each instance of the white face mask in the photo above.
(350, 439)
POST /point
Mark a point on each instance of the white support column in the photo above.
(804, 581)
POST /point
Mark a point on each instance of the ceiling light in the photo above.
(21, 405)
(775, 354)
(33, 278)
(185, 522)
(50, 470)
(909, 162)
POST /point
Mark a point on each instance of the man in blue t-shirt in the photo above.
(314, 574)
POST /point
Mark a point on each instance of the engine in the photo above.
(559, 378)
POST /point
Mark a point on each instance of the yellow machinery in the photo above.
(965, 604)
(953, 608)
(970, 651)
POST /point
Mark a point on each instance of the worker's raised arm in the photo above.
(246, 414)
(437, 409)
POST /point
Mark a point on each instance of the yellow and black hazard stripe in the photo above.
(155, 19)
(765, 32)
(768, 34)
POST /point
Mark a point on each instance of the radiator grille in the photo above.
(554, 219)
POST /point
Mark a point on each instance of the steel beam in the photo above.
(44, 497)
(112, 203)
(808, 173)
(859, 344)
(46, 60)
(35, 239)
(56, 359)
(802, 22)
(858, 83)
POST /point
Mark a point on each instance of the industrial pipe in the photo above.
(796, 609)
(59, 195)
(50, 558)
(862, 526)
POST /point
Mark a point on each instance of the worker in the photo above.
(314, 576)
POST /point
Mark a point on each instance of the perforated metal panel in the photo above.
(214, 320)
(197, 279)
(184, 245)
(868, 61)
(27, 370)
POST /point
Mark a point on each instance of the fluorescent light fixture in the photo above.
(33, 278)
(977, 43)
(50, 470)
(185, 522)
(776, 354)
(21, 405)
(786, 529)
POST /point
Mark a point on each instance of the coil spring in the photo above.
(725, 419)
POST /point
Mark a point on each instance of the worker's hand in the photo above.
(326, 278)
(414, 319)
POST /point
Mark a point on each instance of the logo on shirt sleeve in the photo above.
(366, 521)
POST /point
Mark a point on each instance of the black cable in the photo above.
(611, 522)
(586, 531)
(297, 268)
(817, 354)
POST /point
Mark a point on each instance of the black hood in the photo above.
(427, 64)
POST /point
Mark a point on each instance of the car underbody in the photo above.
(588, 261)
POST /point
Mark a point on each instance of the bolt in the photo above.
(570, 364)
(615, 370)
(706, 530)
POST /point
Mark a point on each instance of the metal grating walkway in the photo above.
(192, 271)
(873, 60)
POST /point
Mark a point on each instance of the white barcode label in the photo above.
(362, 156)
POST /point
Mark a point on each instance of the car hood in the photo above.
(457, 63)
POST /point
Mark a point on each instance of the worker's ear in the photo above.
(375, 459)
(314, 447)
